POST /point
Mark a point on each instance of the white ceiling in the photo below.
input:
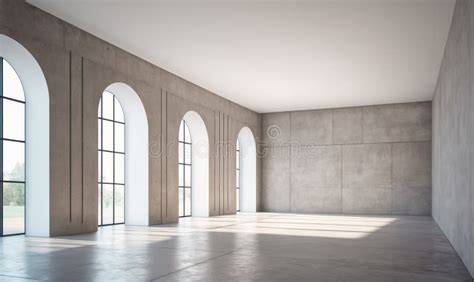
(280, 55)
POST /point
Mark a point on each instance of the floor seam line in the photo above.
(13, 276)
(184, 268)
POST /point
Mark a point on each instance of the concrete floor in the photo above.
(246, 247)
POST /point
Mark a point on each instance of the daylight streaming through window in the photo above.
(12, 150)
(237, 176)
(111, 190)
(184, 167)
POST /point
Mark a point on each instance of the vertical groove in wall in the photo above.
(217, 194)
(223, 163)
(82, 139)
(161, 157)
(221, 168)
(290, 154)
(216, 129)
(391, 178)
(165, 160)
(218, 132)
(224, 173)
(70, 136)
(218, 167)
(229, 162)
(220, 163)
(341, 178)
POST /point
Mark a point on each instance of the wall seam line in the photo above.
(70, 136)
(291, 155)
(391, 178)
(82, 139)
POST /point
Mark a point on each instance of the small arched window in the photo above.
(246, 174)
(237, 176)
(111, 192)
(185, 169)
(12, 151)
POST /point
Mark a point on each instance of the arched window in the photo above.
(12, 151)
(185, 170)
(111, 161)
(237, 176)
(246, 175)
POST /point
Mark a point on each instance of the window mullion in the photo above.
(1, 145)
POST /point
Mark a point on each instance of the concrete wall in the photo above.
(453, 140)
(78, 67)
(367, 160)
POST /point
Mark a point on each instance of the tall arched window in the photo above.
(12, 151)
(246, 174)
(111, 190)
(237, 176)
(185, 168)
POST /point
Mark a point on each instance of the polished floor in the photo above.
(246, 247)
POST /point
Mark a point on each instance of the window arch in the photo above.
(193, 166)
(185, 170)
(37, 148)
(237, 176)
(133, 146)
(111, 158)
(12, 151)
(247, 171)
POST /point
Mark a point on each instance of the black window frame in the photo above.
(182, 164)
(2, 140)
(238, 164)
(114, 153)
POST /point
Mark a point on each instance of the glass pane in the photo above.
(187, 153)
(13, 208)
(187, 175)
(99, 219)
(118, 111)
(13, 161)
(237, 160)
(237, 198)
(108, 135)
(237, 178)
(181, 136)
(99, 133)
(180, 199)
(108, 203)
(107, 167)
(108, 105)
(119, 204)
(99, 109)
(187, 201)
(11, 83)
(99, 165)
(187, 135)
(180, 152)
(119, 137)
(119, 168)
(13, 120)
(181, 175)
